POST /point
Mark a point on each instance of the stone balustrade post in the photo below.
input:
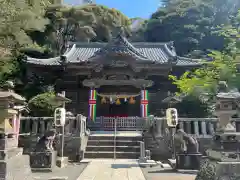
(42, 126)
(204, 128)
(142, 151)
(188, 127)
(27, 127)
(35, 127)
(158, 123)
(196, 128)
(181, 123)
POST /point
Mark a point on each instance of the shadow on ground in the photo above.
(119, 166)
(173, 171)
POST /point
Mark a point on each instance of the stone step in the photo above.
(125, 138)
(111, 143)
(164, 165)
(110, 154)
(111, 148)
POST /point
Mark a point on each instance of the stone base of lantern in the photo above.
(188, 161)
(223, 159)
(62, 162)
(211, 169)
(43, 161)
(14, 165)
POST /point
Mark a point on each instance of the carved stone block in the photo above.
(188, 161)
(43, 161)
(62, 161)
(211, 169)
(15, 166)
(3, 170)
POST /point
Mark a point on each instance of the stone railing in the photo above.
(39, 125)
(121, 123)
(202, 127)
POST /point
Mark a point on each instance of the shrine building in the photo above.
(114, 79)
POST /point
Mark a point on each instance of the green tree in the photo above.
(43, 104)
(203, 82)
(16, 22)
(84, 23)
(17, 19)
(191, 24)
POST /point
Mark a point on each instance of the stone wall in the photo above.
(160, 151)
(72, 146)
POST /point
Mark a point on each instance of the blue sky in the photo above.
(131, 8)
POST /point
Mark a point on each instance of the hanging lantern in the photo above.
(118, 102)
(132, 101)
(103, 100)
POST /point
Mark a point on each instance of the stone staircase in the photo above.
(102, 146)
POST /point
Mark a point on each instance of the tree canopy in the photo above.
(224, 66)
(191, 24)
(199, 29)
(82, 23)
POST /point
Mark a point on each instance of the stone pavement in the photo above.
(70, 172)
(118, 133)
(110, 169)
(160, 173)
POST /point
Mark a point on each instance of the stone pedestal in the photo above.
(14, 165)
(62, 161)
(43, 161)
(188, 161)
(223, 159)
(216, 170)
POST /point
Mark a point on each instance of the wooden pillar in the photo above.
(144, 103)
(92, 104)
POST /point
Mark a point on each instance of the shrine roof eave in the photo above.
(80, 55)
(185, 62)
(55, 61)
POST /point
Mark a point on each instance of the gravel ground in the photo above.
(158, 173)
(70, 172)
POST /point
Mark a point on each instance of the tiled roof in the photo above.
(153, 52)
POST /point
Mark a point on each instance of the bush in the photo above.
(43, 104)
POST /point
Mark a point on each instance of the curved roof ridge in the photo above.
(171, 52)
(67, 54)
(151, 43)
(189, 59)
(185, 61)
(115, 45)
(126, 42)
(53, 60)
(101, 44)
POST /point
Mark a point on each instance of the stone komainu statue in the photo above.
(45, 143)
(185, 143)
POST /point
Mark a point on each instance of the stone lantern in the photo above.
(223, 157)
(9, 128)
